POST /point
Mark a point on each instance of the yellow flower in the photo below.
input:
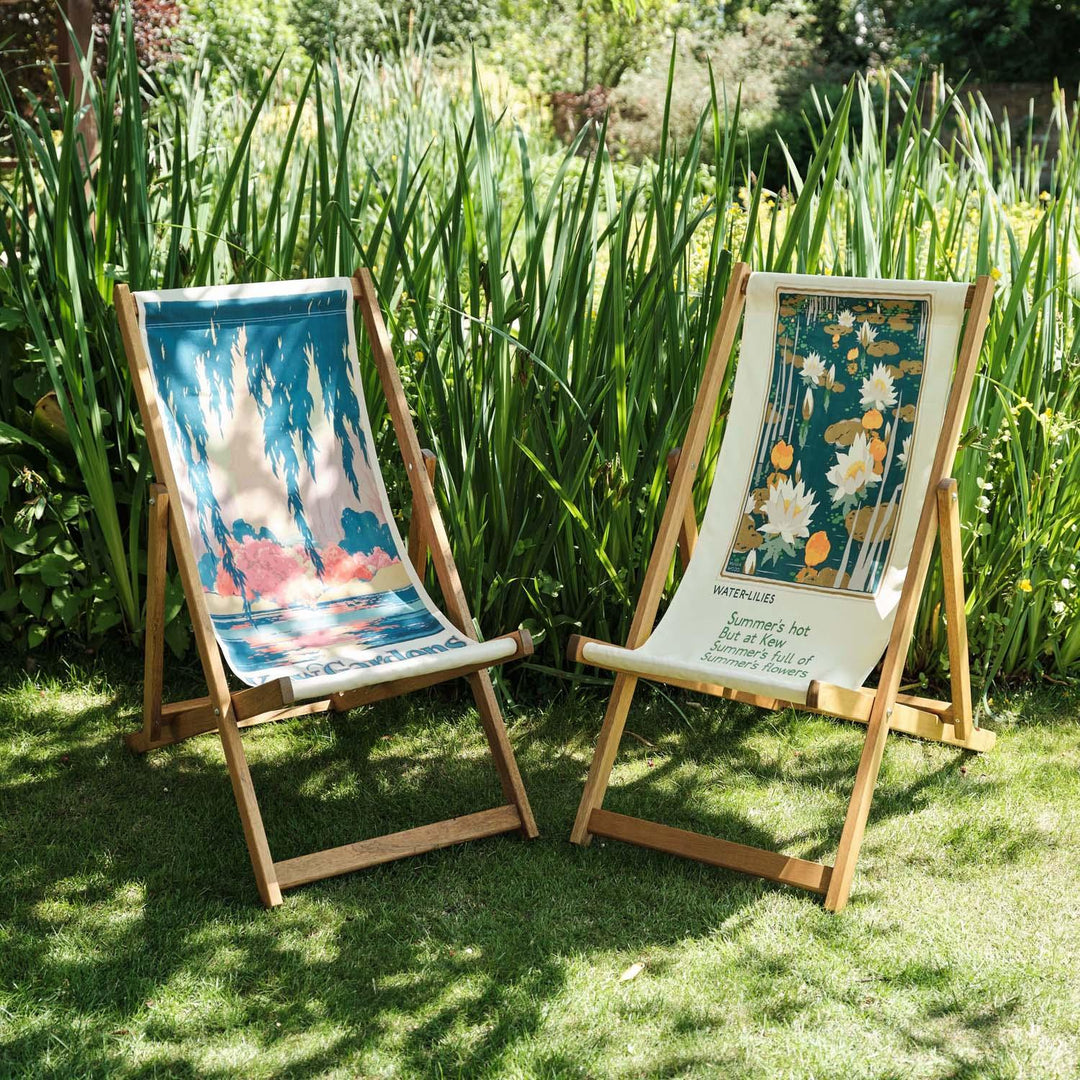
(995, 274)
(817, 549)
(781, 455)
(1024, 584)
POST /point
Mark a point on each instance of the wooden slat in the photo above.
(416, 546)
(688, 530)
(892, 669)
(671, 522)
(157, 554)
(258, 700)
(400, 845)
(785, 869)
(198, 719)
(952, 575)
(941, 709)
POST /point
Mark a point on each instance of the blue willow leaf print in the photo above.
(260, 405)
(828, 474)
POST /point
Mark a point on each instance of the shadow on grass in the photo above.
(125, 880)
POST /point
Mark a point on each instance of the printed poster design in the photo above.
(300, 563)
(832, 451)
(822, 474)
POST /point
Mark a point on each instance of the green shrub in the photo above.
(1025, 40)
(379, 27)
(551, 313)
(768, 58)
(240, 40)
(571, 46)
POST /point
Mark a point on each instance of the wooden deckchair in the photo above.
(804, 341)
(214, 369)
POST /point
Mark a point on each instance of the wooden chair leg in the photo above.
(248, 805)
(952, 572)
(502, 751)
(607, 746)
(154, 632)
(858, 812)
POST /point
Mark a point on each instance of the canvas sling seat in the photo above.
(830, 488)
(294, 571)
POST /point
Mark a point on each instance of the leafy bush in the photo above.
(379, 27)
(241, 40)
(572, 46)
(769, 59)
(551, 313)
(29, 31)
(1025, 40)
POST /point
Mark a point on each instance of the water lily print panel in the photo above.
(839, 396)
(300, 560)
(828, 479)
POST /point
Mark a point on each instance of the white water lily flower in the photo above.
(813, 369)
(750, 565)
(867, 335)
(808, 404)
(853, 470)
(788, 511)
(846, 318)
(878, 391)
(902, 456)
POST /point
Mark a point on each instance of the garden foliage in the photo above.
(551, 313)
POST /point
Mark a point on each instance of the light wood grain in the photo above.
(416, 546)
(400, 845)
(893, 665)
(688, 530)
(157, 555)
(952, 575)
(206, 643)
(434, 535)
(772, 865)
(672, 522)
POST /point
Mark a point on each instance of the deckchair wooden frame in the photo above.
(881, 709)
(226, 711)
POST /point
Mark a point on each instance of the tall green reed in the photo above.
(551, 309)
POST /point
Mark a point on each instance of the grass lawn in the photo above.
(132, 942)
